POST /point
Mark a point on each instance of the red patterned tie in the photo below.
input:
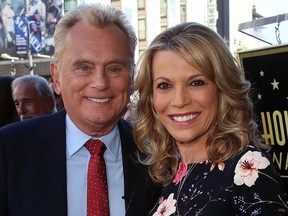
(97, 194)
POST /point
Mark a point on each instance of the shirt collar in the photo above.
(75, 139)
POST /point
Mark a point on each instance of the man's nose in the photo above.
(100, 80)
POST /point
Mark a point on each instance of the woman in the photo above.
(195, 125)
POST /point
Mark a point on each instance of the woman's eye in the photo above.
(197, 83)
(163, 85)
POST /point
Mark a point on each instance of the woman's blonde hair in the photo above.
(235, 126)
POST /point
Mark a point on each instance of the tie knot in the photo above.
(95, 147)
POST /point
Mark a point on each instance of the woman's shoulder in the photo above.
(252, 163)
(251, 153)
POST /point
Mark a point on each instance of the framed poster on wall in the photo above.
(46, 15)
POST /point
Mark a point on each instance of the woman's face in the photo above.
(185, 100)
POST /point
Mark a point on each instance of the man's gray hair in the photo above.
(98, 15)
(41, 85)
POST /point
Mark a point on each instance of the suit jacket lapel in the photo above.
(139, 191)
(128, 155)
(49, 167)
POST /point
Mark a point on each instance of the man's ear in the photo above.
(56, 77)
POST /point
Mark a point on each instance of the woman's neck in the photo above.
(192, 153)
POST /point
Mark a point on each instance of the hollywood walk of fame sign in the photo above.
(267, 70)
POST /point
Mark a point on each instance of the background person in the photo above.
(53, 16)
(7, 18)
(32, 96)
(44, 169)
(197, 130)
(8, 113)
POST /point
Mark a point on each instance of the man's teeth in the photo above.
(99, 100)
(184, 118)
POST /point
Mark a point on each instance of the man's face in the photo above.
(93, 77)
(28, 102)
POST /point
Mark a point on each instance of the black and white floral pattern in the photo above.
(247, 184)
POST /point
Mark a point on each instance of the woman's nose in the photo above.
(180, 97)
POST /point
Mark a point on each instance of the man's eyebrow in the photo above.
(113, 61)
(82, 61)
(118, 61)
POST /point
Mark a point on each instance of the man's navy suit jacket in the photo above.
(33, 169)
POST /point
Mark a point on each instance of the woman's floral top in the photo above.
(247, 184)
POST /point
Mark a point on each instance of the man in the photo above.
(44, 161)
(32, 96)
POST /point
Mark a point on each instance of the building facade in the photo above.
(149, 18)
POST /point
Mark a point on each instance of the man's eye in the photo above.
(115, 69)
(28, 101)
(84, 68)
(163, 86)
